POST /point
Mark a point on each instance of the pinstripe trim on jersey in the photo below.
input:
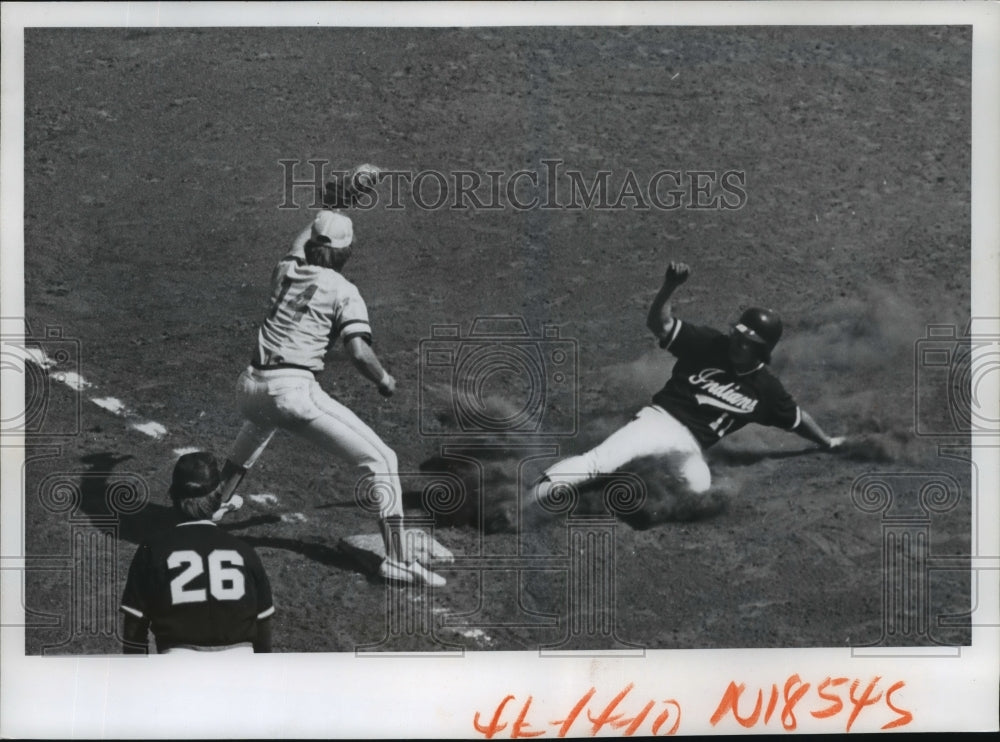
(352, 322)
(798, 417)
(665, 342)
(265, 613)
(366, 333)
(754, 370)
(132, 611)
(366, 336)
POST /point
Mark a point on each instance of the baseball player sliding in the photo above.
(719, 384)
(312, 306)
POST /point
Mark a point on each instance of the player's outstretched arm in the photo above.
(660, 319)
(135, 635)
(809, 429)
(366, 362)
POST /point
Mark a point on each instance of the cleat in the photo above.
(412, 573)
(421, 547)
(230, 506)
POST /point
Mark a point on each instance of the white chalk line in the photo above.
(78, 384)
(158, 431)
(264, 499)
(151, 428)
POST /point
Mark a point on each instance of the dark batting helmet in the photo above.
(763, 327)
(194, 485)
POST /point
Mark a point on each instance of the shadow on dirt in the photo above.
(490, 496)
(106, 495)
(731, 457)
(99, 503)
(321, 553)
(254, 520)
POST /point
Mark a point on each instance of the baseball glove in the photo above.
(355, 187)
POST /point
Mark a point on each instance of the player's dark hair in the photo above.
(319, 252)
(193, 487)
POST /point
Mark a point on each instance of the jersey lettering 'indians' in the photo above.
(719, 384)
(709, 397)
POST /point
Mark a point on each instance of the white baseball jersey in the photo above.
(311, 307)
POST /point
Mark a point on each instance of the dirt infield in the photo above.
(153, 216)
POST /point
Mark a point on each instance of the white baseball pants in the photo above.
(652, 432)
(292, 399)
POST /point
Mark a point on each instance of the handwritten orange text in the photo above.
(590, 715)
(838, 697)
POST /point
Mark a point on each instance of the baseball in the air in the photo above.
(366, 174)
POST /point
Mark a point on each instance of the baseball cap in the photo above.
(335, 227)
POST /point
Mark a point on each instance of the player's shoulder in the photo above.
(190, 531)
(345, 290)
(766, 380)
(690, 333)
(331, 280)
(222, 537)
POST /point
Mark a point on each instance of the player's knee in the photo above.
(574, 469)
(382, 463)
(697, 479)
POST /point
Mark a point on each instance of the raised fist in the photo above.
(677, 273)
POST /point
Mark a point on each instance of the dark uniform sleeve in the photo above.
(265, 602)
(686, 338)
(134, 597)
(779, 408)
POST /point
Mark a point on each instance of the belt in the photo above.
(274, 366)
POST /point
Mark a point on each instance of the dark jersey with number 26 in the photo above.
(709, 397)
(199, 586)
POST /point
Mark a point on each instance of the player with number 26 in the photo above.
(196, 586)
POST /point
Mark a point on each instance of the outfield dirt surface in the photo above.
(153, 194)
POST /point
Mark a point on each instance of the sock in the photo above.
(392, 536)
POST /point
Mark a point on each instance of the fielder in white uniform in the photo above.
(719, 384)
(312, 307)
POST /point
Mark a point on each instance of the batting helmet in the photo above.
(193, 487)
(763, 327)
